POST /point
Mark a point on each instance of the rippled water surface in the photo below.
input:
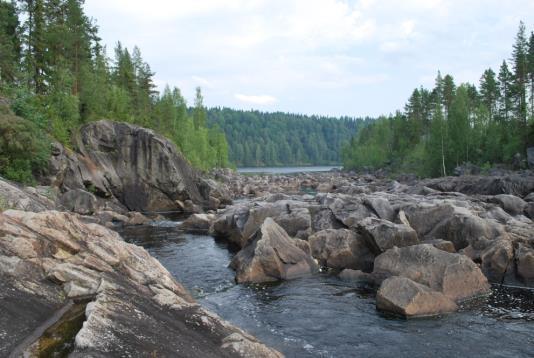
(322, 316)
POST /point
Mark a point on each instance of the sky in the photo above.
(327, 57)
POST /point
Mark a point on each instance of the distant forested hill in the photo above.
(282, 139)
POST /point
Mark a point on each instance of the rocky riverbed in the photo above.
(426, 245)
(71, 284)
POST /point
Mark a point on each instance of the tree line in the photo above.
(57, 76)
(282, 139)
(452, 124)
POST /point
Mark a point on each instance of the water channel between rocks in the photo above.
(323, 316)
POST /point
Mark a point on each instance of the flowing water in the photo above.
(322, 316)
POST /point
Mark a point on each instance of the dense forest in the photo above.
(55, 76)
(451, 124)
(282, 139)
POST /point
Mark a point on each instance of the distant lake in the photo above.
(287, 170)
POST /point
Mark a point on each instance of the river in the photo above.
(285, 170)
(322, 316)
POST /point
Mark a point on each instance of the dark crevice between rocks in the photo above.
(55, 337)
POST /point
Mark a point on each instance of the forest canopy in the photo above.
(452, 124)
(283, 139)
(57, 76)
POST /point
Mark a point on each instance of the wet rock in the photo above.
(382, 235)
(341, 249)
(402, 296)
(78, 201)
(271, 255)
(454, 275)
(198, 223)
(510, 203)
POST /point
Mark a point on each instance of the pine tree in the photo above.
(35, 44)
(505, 89)
(520, 64)
(10, 46)
(530, 68)
(489, 91)
(449, 92)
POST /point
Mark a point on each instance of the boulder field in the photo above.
(426, 246)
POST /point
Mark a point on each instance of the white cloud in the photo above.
(312, 55)
(202, 82)
(261, 100)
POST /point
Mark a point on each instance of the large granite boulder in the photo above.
(271, 255)
(381, 207)
(446, 221)
(341, 249)
(348, 209)
(53, 265)
(382, 235)
(238, 223)
(454, 275)
(402, 296)
(141, 169)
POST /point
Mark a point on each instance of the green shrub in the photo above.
(24, 149)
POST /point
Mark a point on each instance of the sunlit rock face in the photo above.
(135, 305)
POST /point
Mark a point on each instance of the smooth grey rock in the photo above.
(382, 235)
(271, 255)
(405, 297)
(78, 201)
(454, 275)
(510, 203)
(341, 249)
